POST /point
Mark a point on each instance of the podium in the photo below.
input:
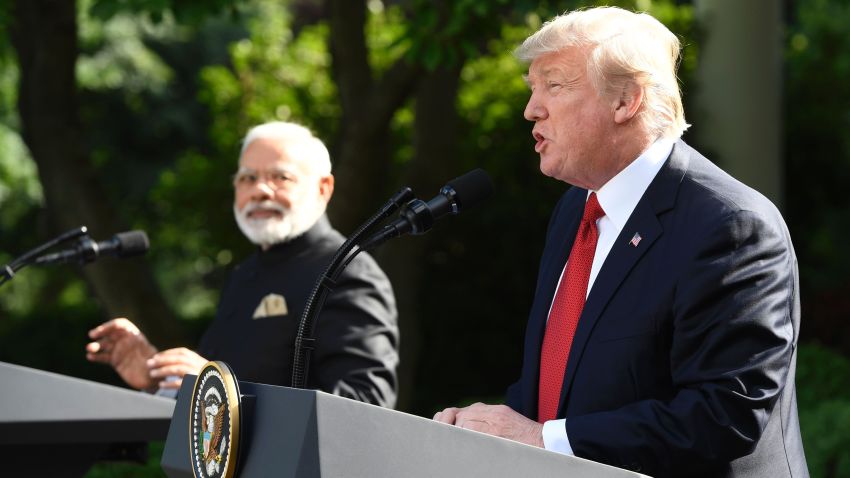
(52, 425)
(291, 433)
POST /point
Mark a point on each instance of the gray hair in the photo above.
(623, 47)
(299, 142)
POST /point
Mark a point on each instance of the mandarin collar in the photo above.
(297, 244)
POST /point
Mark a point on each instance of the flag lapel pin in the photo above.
(635, 240)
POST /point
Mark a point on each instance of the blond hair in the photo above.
(622, 47)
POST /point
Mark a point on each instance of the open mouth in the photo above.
(541, 142)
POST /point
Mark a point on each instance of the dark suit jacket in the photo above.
(356, 349)
(684, 358)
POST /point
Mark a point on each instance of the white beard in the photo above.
(268, 231)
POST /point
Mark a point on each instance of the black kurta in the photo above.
(356, 352)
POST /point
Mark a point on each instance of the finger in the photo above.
(94, 347)
(171, 383)
(446, 416)
(120, 325)
(100, 330)
(98, 357)
(183, 356)
(479, 407)
(475, 425)
(165, 358)
(473, 419)
(178, 370)
(178, 355)
(109, 329)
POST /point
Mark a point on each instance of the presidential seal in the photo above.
(214, 422)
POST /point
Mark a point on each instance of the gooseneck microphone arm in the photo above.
(26, 259)
(123, 244)
(416, 217)
(304, 341)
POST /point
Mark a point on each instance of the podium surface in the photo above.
(55, 425)
(310, 434)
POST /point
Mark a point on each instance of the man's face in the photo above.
(277, 197)
(572, 123)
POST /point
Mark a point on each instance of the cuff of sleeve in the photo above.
(555, 437)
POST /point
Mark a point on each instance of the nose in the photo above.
(261, 191)
(534, 110)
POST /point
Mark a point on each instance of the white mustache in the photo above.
(267, 205)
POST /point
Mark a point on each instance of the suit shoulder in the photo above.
(715, 193)
(710, 203)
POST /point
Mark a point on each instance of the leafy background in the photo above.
(164, 90)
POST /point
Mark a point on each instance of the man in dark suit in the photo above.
(282, 188)
(663, 333)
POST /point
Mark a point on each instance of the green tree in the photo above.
(818, 162)
(44, 35)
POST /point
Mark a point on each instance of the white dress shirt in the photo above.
(618, 198)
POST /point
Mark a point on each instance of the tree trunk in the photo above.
(361, 157)
(739, 95)
(406, 259)
(45, 38)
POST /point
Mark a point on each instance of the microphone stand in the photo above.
(24, 260)
(304, 341)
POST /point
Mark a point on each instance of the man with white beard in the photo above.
(282, 188)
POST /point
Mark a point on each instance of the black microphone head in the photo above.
(471, 188)
(131, 243)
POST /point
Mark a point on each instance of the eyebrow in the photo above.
(547, 73)
(284, 170)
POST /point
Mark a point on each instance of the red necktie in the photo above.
(566, 310)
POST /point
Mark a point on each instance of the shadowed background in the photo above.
(128, 114)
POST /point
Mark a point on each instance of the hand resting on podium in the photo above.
(496, 420)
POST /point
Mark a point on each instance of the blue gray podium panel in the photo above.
(310, 434)
(54, 425)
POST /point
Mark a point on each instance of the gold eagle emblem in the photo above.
(212, 422)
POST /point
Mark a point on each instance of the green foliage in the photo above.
(20, 199)
(818, 59)
(817, 150)
(823, 394)
(150, 469)
(272, 76)
(269, 75)
(20, 190)
(194, 243)
(116, 57)
(168, 88)
(447, 33)
(386, 37)
(185, 11)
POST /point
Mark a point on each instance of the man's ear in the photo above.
(326, 187)
(628, 103)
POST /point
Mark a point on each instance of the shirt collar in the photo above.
(619, 196)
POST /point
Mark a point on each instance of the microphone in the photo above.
(123, 244)
(417, 216)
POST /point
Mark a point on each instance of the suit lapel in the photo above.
(659, 197)
(559, 241)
